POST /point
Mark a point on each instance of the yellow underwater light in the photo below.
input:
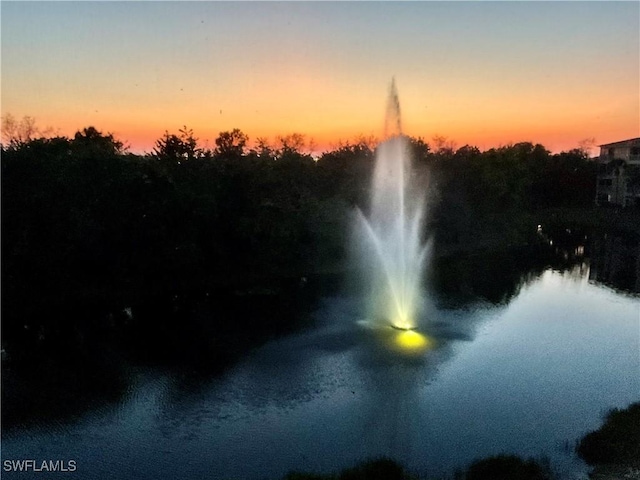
(412, 341)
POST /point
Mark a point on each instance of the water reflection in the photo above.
(518, 353)
(492, 277)
(615, 261)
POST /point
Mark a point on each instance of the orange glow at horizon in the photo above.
(328, 113)
(141, 132)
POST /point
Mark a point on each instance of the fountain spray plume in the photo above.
(392, 233)
(392, 120)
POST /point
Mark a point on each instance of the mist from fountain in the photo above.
(392, 233)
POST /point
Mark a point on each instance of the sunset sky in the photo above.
(480, 73)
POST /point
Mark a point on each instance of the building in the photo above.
(618, 180)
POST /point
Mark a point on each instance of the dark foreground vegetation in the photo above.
(501, 467)
(380, 469)
(614, 447)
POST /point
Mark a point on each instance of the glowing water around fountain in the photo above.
(393, 229)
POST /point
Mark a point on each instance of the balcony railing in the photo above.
(605, 159)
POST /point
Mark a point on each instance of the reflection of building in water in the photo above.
(619, 174)
(615, 261)
(567, 245)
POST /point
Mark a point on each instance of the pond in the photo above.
(526, 370)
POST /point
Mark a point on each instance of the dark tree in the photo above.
(231, 144)
(91, 142)
(178, 148)
(18, 133)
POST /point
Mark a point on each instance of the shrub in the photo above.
(617, 441)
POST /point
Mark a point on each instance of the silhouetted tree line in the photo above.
(85, 223)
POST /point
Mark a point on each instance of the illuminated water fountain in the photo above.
(391, 236)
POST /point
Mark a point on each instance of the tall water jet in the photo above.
(392, 233)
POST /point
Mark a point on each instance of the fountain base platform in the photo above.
(403, 329)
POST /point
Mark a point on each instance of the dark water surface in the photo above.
(526, 372)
